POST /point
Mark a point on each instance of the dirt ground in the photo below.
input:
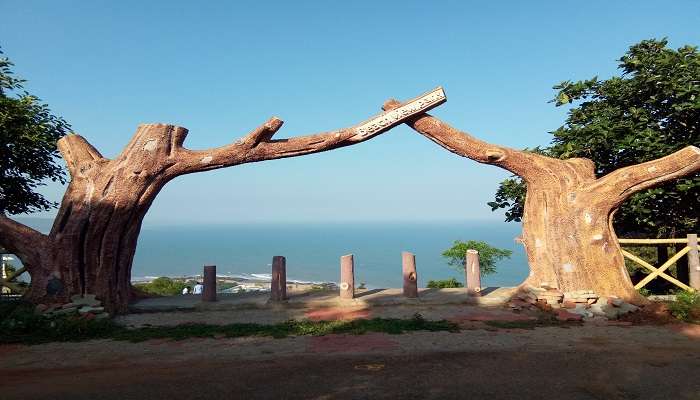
(604, 361)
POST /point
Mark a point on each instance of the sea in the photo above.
(313, 250)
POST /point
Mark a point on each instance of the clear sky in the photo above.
(222, 68)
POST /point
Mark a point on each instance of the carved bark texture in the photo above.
(567, 223)
(93, 239)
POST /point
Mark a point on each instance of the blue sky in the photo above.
(222, 68)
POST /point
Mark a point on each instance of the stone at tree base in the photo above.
(64, 311)
(627, 308)
(40, 308)
(87, 299)
(605, 310)
(565, 315)
(615, 301)
(89, 309)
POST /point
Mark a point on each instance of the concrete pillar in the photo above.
(410, 277)
(472, 272)
(209, 293)
(278, 286)
(347, 277)
(693, 262)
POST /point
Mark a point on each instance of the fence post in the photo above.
(347, 277)
(410, 277)
(209, 293)
(472, 272)
(278, 284)
(693, 261)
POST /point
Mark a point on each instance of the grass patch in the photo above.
(526, 324)
(19, 324)
(686, 307)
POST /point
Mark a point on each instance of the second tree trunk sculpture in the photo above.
(567, 221)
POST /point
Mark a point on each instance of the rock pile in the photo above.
(572, 306)
(86, 306)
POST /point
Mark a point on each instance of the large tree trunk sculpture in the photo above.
(567, 221)
(93, 239)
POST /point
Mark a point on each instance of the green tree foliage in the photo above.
(488, 255)
(163, 286)
(650, 111)
(445, 283)
(28, 135)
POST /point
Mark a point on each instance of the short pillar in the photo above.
(278, 285)
(410, 277)
(694, 262)
(347, 277)
(209, 293)
(472, 273)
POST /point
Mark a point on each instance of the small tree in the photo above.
(28, 136)
(488, 255)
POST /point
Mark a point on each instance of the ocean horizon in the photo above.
(313, 250)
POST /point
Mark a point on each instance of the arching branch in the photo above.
(259, 145)
(622, 183)
(522, 163)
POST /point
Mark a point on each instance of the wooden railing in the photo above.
(690, 250)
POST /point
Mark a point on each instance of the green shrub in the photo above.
(687, 306)
(488, 255)
(445, 283)
(163, 286)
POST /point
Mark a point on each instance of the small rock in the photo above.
(65, 311)
(88, 300)
(101, 316)
(564, 315)
(69, 305)
(88, 309)
(615, 301)
(568, 304)
(627, 308)
(40, 308)
(604, 309)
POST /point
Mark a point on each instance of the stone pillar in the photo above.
(693, 262)
(209, 293)
(472, 272)
(278, 286)
(347, 277)
(410, 277)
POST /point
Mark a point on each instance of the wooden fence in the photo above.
(690, 250)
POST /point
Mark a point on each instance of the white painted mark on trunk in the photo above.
(538, 243)
(597, 236)
(150, 144)
(207, 159)
(588, 218)
(568, 267)
(651, 169)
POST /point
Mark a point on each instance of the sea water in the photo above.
(313, 250)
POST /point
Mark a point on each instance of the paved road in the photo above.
(574, 363)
